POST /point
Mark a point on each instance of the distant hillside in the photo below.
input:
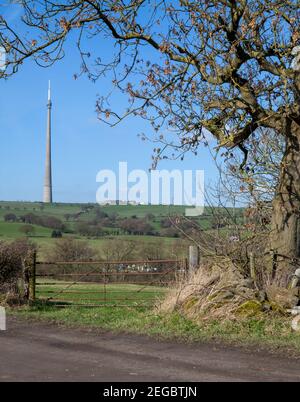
(107, 229)
(60, 209)
(94, 221)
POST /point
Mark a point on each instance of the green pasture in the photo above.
(60, 209)
(124, 211)
(83, 293)
(11, 231)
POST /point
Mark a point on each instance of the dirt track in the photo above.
(46, 352)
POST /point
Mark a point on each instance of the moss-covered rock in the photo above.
(249, 308)
(277, 308)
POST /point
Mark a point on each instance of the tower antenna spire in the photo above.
(49, 91)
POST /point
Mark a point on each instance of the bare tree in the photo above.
(253, 187)
(224, 67)
(118, 249)
(28, 230)
(257, 182)
(70, 249)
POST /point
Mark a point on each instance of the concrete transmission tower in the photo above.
(48, 170)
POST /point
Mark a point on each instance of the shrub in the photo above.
(52, 223)
(30, 218)
(100, 214)
(166, 223)
(136, 227)
(150, 217)
(56, 234)
(170, 232)
(12, 256)
(46, 221)
(10, 218)
(88, 229)
(27, 229)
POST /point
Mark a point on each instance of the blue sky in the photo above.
(82, 145)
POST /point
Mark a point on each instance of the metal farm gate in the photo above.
(104, 283)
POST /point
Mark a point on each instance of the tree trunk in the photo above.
(285, 235)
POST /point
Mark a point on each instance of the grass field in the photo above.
(60, 209)
(98, 294)
(12, 231)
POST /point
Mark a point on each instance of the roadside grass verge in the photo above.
(270, 332)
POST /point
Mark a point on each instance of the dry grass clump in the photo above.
(217, 290)
(285, 298)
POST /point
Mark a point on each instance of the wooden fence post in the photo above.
(186, 266)
(253, 272)
(252, 266)
(32, 276)
(194, 259)
(274, 262)
(25, 279)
